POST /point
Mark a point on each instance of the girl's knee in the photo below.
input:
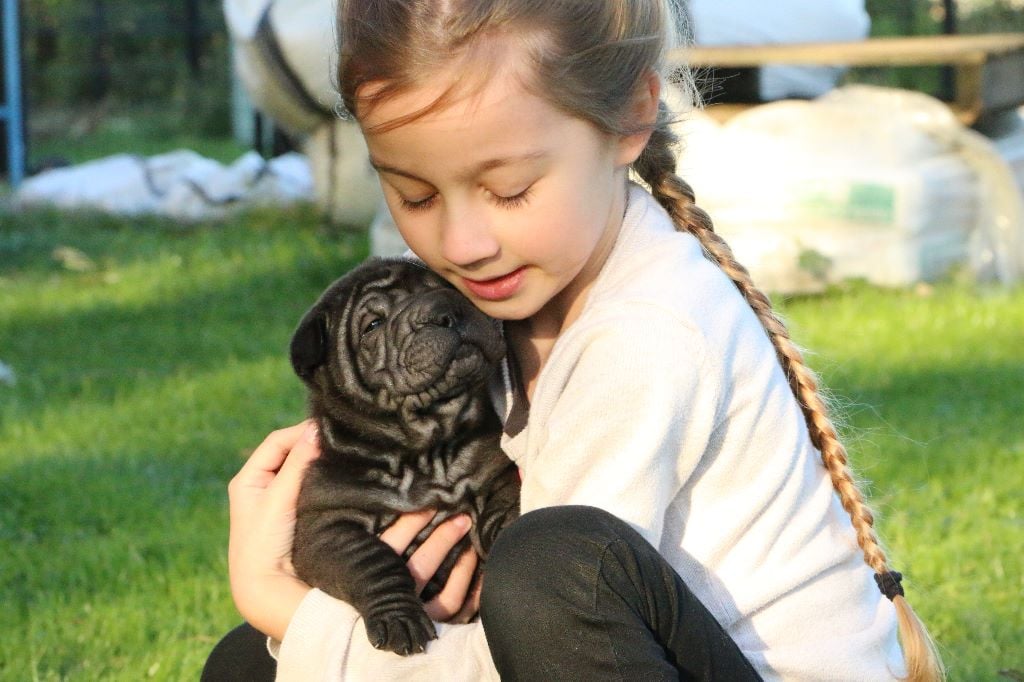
(240, 655)
(529, 544)
(546, 553)
(542, 586)
(554, 527)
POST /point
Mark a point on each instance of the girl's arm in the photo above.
(327, 641)
(262, 523)
(322, 638)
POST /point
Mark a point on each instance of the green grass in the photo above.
(141, 383)
(932, 389)
(145, 378)
(79, 136)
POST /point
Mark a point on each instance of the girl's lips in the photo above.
(498, 288)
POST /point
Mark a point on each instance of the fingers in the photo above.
(403, 531)
(273, 473)
(452, 601)
(424, 562)
(266, 459)
(471, 606)
(303, 451)
(431, 554)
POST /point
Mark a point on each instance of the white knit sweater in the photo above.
(665, 405)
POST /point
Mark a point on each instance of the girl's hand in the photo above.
(455, 603)
(262, 499)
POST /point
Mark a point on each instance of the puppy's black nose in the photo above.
(446, 319)
(437, 313)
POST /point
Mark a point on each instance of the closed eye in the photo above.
(420, 205)
(513, 201)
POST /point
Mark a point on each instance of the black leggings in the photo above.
(570, 593)
(574, 593)
(241, 656)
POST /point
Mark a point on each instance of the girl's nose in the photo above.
(467, 238)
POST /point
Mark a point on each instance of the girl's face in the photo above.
(511, 200)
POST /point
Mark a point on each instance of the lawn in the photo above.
(151, 357)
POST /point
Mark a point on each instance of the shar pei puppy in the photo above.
(397, 362)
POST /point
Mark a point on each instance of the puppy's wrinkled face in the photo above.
(394, 334)
(415, 337)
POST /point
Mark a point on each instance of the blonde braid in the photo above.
(657, 168)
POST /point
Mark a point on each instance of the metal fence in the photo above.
(12, 107)
(94, 69)
(145, 74)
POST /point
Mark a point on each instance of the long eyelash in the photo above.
(421, 205)
(504, 202)
(513, 202)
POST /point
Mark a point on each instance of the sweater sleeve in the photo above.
(326, 641)
(624, 418)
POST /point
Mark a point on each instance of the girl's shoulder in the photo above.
(659, 269)
(658, 281)
(653, 261)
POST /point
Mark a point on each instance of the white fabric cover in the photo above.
(304, 30)
(756, 22)
(180, 184)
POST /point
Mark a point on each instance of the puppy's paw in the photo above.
(402, 628)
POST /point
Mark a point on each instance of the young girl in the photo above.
(688, 510)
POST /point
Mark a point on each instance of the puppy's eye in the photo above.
(372, 324)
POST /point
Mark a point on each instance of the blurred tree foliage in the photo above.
(928, 17)
(170, 54)
(904, 17)
(983, 16)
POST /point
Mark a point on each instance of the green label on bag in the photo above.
(861, 202)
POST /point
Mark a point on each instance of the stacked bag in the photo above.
(865, 183)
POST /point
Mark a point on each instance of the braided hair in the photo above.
(656, 166)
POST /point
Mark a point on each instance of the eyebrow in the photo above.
(481, 167)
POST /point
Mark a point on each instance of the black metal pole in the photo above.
(949, 27)
(193, 36)
(99, 84)
(949, 17)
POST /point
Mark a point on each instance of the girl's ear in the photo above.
(643, 118)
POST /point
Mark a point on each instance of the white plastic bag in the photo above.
(7, 375)
(180, 184)
(871, 183)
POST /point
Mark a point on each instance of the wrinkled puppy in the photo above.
(396, 361)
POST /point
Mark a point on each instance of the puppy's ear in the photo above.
(309, 344)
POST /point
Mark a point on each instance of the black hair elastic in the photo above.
(889, 584)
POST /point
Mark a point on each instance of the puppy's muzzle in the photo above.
(438, 312)
(446, 312)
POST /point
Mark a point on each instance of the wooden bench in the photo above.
(989, 67)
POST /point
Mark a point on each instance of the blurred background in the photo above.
(182, 189)
(102, 76)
